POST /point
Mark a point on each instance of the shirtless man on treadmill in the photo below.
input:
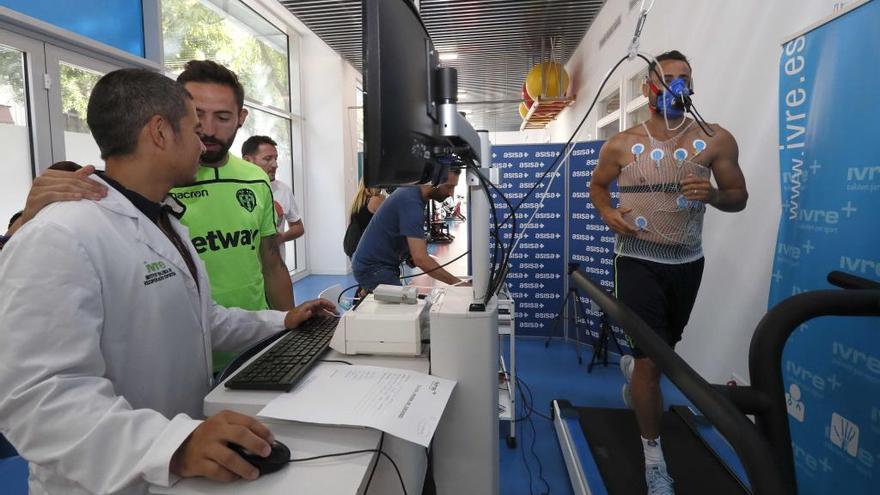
(663, 169)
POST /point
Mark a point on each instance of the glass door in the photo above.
(74, 75)
(22, 107)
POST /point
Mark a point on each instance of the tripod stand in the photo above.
(572, 298)
(600, 348)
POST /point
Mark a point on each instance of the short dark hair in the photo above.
(670, 55)
(124, 100)
(13, 218)
(66, 166)
(208, 71)
(252, 144)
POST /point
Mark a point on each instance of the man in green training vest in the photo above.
(229, 209)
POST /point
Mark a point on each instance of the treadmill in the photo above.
(601, 446)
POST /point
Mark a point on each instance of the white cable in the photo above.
(541, 201)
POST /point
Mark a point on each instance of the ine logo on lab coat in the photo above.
(157, 271)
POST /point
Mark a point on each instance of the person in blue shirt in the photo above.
(396, 233)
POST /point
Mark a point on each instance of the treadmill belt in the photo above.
(615, 443)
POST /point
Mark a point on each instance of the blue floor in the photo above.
(550, 373)
(309, 287)
(554, 373)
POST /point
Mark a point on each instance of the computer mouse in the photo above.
(277, 459)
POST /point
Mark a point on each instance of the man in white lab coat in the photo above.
(108, 323)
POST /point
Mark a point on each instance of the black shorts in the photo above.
(661, 294)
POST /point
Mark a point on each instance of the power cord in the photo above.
(355, 452)
(496, 274)
(528, 404)
(375, 465)
(335, 361)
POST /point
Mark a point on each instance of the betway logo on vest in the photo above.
(215, 240)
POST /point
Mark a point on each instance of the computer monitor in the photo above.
(400, 116)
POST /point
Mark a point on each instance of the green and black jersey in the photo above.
(228, 210)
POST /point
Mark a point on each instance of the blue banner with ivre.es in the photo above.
(830, 175)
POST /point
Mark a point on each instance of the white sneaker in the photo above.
(626, 393)
(658, 480)
(627, 365)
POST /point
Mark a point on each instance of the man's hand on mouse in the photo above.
(206, 453)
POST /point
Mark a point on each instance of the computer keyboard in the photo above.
(281, 367)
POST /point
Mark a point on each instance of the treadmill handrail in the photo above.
(752, 448)
(768, 343)
(846, 280)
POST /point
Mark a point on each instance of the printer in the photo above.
(383, 328)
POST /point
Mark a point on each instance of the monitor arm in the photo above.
(460, 133)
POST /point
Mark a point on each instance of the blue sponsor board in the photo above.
(591, 242)
(537, 267)
(830, 175)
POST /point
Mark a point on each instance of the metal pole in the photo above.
(479, 220)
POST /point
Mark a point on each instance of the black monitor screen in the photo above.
(399, 118)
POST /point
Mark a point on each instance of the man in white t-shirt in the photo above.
(263, 152)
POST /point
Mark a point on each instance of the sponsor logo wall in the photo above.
(591, 242)
(830, 175)
(536, 275)
(566, 228)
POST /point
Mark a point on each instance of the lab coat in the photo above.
(105, 346)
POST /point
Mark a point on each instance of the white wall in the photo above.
(531, 136)
(734, 47)
(327, 91)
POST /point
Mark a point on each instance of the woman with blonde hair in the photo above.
(363, 207)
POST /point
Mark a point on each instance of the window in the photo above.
(231, 33)
(608, 129)
(14, 134)
(609, 116)
(39, 127)
(359, 128)
(76, 87)
(637, 104)
(635, 84)
(610, 104)
(638, 116)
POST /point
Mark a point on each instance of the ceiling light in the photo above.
(448, 56)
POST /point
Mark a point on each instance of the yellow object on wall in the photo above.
(523, 110)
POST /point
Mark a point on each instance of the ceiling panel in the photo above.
(497, 41)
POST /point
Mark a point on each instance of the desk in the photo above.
(326, 476)
(337, 475)
(465, 349)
